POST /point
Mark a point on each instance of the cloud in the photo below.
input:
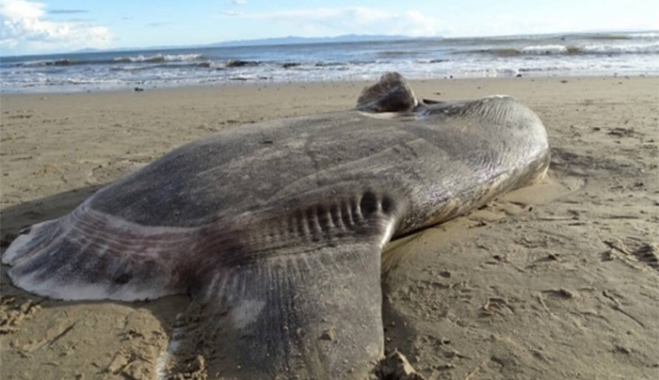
(360, 20)
(87, 20)
(232, 13)
(67, 11)
(238, 2)
(159, 24)
(26, 30)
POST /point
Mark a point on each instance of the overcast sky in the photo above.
(32, 27)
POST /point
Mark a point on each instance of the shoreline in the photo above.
(240, 83)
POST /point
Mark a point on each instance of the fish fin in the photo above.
(305, 307)
(90, 255)
(390, 94)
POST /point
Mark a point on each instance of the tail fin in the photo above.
(90, 255)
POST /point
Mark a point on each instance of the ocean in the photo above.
(583, 54)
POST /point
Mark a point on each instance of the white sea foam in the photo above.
(183, 57)
(161, 58)
(544, 49)
(636, 48)
(654, 34)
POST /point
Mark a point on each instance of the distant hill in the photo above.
(292, 40)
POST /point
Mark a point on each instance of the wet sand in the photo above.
(556, 281)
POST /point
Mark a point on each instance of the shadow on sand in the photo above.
(15, 218)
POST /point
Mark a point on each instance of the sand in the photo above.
(556, 281)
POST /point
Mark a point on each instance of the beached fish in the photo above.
(275, 229)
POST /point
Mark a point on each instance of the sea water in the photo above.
(584, 54)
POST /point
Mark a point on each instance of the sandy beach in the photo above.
(556, 281)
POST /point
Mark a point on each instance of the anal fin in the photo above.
(292, 317)
(312, 310)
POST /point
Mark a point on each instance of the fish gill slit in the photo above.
(315, 229)
(356, 212)
(337, 217)
(303, 226)
(282, 229)
(292, 227)
(369, 204)
(324, 221)
(327, 215)
(346, 215)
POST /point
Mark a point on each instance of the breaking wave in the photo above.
(645, 48)
(157, 58)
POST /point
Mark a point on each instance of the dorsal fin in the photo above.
(390, 94)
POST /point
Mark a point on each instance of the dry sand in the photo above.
(556, 281)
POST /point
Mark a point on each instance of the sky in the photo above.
(55, 26)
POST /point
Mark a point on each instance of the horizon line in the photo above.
(246, 42)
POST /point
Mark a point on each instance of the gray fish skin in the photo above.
(275, 229)
(438, 154)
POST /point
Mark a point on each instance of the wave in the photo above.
(184, 62)
(157, 58)
(241, 63)
(624, 36)
(549, 49)
(651, 48)
(164, 65)
(529, 50)
(654, 35)
(329, 64)
(432, 61)
(645, 48)
(55, 62)
(397, 53)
